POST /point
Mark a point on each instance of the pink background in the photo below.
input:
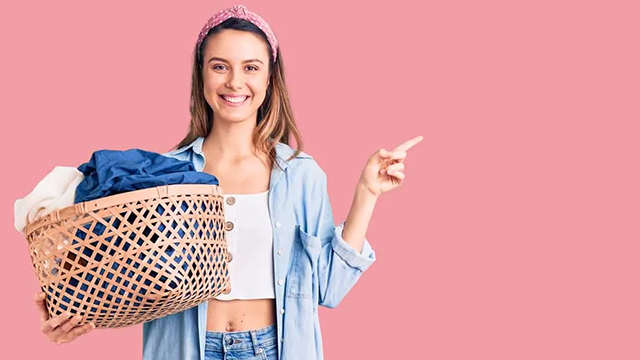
(516, 234)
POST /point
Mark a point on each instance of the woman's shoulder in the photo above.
(286, 152)
(303, 166)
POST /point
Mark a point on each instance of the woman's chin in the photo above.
(233, 118)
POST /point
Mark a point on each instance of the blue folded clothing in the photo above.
(111, 172)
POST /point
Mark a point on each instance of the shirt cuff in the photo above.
(360, 260)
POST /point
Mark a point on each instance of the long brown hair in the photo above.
(275, 121)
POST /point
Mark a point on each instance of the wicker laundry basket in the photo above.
(132, 257)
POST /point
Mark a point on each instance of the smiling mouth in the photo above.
(235, 100)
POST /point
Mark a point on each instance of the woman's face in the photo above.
(235, 72)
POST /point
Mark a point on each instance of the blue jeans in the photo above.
(258, 344)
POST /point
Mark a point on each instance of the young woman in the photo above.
(288, 256)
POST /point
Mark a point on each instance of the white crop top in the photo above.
(250, 244)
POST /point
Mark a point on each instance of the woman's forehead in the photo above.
(236, 45)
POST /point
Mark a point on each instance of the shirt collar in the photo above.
(283, 151)
(196, 145)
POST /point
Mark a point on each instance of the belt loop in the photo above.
(224, 345)
(254, 339)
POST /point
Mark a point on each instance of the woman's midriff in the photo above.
(240, 315)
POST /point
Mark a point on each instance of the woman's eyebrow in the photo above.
(215, 58)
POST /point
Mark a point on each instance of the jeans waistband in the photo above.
(241, 340)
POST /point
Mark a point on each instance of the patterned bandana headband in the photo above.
(240, 12)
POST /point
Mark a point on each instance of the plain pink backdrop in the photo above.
(516, 234)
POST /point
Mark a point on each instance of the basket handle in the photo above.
(163, 191)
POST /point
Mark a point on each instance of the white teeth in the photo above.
(236, 99)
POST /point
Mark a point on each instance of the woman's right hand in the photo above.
(62, 328)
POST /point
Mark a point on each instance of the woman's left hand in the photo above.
(385, 169)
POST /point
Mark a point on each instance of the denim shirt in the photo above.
(313, 265)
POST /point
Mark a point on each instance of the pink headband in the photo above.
(240, 12)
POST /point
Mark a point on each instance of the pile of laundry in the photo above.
(108, 172)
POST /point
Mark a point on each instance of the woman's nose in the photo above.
(235, 80)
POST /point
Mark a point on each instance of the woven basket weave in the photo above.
(132, 257)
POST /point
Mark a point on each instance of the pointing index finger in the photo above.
(409, 144)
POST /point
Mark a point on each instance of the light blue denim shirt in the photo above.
(313, 265)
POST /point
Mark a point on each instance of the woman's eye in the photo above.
(252, 68)
(218, 67)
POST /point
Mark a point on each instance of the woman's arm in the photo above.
(345, 252)
(359, 216)
(384, 171)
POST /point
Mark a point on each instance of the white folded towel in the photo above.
(55, 191)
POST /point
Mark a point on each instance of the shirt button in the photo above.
(282, 311)
(228, 226)
(278, 225)
(231, 200)
(280, 282)
(279, 252)
(230, 257)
